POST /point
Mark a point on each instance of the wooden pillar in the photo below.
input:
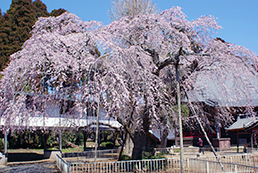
(5, 143)
(217, 130)
(85, 136)
(252, 141)
(60, 141)
(99, 140)
(238, 141)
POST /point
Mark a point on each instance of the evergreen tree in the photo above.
(16, 24)
(57, 12)
(41, 9)
(4, 39)
(22, 18)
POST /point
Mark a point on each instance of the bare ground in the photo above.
(31, 167)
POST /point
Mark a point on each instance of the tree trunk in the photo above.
(124, 136)
(85, 136)
(129, 145)
(164, 138)
(45, 138)
(115, 135)
(139, 144)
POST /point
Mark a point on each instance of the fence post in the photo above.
(253, 160)
(207, 166)
(68, 167)
(235, 168)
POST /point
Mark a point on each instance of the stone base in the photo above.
(51, 154)
(221, 144)
(3, 159)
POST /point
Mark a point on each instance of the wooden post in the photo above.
(238, 141)
(252, 141)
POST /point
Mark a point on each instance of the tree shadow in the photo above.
(19, 157)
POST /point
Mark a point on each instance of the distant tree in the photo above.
(22, 17)
(41, 9)
(57, 12)
(5, 49)
(16, 25)
(131, 8)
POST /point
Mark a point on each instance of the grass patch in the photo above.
(39, 151)
(71, 150)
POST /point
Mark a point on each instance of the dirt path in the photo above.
(37, 167)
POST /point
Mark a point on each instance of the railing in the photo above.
(231, 163)
(244, 159)
(111, 154)
(137, 166)
(62, 165)
(254, 160)
(208, 166)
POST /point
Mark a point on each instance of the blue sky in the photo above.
(239, 18)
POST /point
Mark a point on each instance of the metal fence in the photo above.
(85, 155)
(254, 160)
(62, 165)
(244, 159)
(208, 166)
(136, 166)
(231, 163)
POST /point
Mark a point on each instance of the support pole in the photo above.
(204, 132)
(97, 132)
(179, 119)
(5, 144)
(60, 141)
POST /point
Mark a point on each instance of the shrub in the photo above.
(108, 145)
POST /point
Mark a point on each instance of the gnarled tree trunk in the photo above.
(139, 141)
(164, 138)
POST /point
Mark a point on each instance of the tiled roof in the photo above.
(227, 85)
(242, 124)
(157, 133)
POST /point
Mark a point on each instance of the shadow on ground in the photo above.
(19, 157)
